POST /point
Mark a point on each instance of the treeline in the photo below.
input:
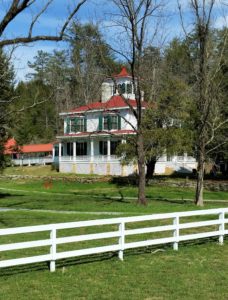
(65, 79)
(59, 81)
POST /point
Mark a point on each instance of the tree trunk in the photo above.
(141, 169)
(200, 180)
(150, 168)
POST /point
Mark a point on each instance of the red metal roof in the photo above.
(37, 148)
(115, 102)
(123, 73)
(12, 147)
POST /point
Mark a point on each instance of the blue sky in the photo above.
(97, 11)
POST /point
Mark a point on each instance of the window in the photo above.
(81, 148)
(78, 124)
(121, 88)
(114, 145)
(69, 149)
(103, 147)
(111, 122)
(106, 123)
(114, 122)
(129, 88)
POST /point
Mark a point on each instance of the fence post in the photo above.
(176, 232)
(53, 249)
(221, 227)
(121, 240)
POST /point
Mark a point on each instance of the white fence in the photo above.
(176, 219)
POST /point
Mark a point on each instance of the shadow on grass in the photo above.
(7, 195)
(84, 260)
(102, 197)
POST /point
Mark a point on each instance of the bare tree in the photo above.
(206, 92)
(16, 7)
(134, 18)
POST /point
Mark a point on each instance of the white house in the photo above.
(92, 133)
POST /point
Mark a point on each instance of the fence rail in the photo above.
(121, 233)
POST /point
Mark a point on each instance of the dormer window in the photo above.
(129, 88)
(125, 88)
(121, 88)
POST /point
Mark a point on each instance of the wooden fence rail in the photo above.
(219, 221)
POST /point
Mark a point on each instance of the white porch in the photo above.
(95, 155)
(90, 156)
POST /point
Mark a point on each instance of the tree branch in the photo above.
(15, 9)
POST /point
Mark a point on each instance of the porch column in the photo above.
(185, 157)
(74, 151)
(109, 148)
(53, 153)
(60, 151)
(91, 150)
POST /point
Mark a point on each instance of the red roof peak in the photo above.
(123, 73)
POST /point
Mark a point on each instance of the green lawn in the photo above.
(196, 271)
(99, 196)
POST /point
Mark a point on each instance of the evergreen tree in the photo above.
(6, 96)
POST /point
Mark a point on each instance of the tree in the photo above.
(91, 60)
(16, 7)
(165, 122)
(34, 124)
(134, 16)
(6, 97)
(207, 60)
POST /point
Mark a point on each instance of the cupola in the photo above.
(119, 84)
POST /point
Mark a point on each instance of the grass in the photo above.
(99, 196)
(40, 171)
(196, 271)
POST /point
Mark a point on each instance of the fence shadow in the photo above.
(84, 260)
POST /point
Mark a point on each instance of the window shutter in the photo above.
(85, 124)
(109, 122)
(119, 122)
(67, 125)
(100, 127)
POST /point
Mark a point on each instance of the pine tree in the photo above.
(6, 96)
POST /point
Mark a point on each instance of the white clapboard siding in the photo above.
(178, 223)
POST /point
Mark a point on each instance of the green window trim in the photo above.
(67, 125)
(119, 122)
(100, 124)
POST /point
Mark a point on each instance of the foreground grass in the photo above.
(196, 271)
(187, 274)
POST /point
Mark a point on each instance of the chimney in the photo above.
(106, 91)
